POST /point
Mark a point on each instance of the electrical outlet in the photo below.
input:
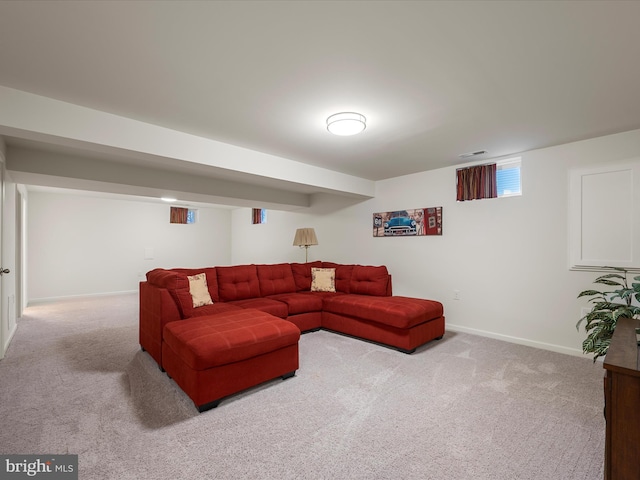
(456, 294)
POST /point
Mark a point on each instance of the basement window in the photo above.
(182, 215)
(508, 177)
(491, 180)
(258, 216)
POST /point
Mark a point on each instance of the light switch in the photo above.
(148, 253)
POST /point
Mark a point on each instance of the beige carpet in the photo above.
(75, 381)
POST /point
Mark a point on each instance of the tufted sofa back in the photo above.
(240, 282)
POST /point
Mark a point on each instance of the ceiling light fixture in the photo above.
(168, 199)
(346, 123)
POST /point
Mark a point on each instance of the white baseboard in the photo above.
(8, 341)
(38, 301)
(521, 341)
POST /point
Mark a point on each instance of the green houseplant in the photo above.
(601, 321)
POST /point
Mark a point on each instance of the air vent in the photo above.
(472, 154)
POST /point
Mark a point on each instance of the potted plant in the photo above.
(601, 321)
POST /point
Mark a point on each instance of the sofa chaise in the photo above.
(219, 330)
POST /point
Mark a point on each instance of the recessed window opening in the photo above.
(258, 216)
(183, 215)
(508, 177)
(492, 180)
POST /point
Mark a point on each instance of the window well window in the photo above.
(258, 216)
(508, 177)
(491, 180)
(182, 215)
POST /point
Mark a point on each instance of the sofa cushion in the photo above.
(343, 275)
(277, 278)
(215, 308)
(399, 312)
(238, 282)
(324, 295)
(210, 341)
(177, 284)
(300, 302)
(212, 279)
(369, 280)
(267, 305)
(198, 290)
(302, 274)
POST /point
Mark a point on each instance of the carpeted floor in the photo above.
(75, 381)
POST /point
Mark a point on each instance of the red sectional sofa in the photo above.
(275, 297)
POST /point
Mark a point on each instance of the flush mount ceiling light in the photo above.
(168, 199)
(346, 123)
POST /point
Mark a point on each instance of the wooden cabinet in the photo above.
(622, 403)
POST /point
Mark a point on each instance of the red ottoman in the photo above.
(215, 356)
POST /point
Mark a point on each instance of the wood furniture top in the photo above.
(623, 355)
(622, 398)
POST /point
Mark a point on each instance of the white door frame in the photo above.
(4, 320)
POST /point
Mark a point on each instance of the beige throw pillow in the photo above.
(323, 279)
(199, 291)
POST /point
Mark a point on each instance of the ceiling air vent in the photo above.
(472, 154)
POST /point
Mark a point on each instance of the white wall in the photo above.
(80, 245)
(21, 246)
(507, 257)
(273, 242)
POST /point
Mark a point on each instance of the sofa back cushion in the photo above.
(275, 279)
(176, 281)
(210, 274)
(302, 274)
(238, 282)
(343, 276)
(369, 280)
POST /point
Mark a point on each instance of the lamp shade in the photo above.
(305, 237)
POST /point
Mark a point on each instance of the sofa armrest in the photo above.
(157, 308)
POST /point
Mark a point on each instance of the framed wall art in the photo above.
(403, 223)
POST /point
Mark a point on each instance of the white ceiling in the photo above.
(434, 79)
